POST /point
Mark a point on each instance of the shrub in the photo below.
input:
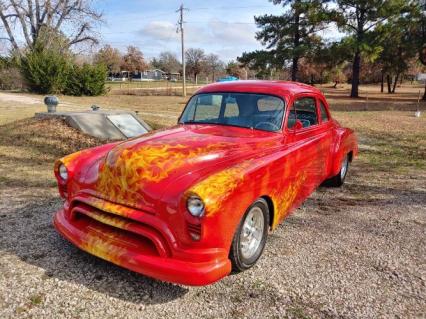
(10, 75)
(11, 79)
(45, 71)
(51, 71)
(86, 80)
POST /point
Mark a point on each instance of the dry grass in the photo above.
(372, 99)
(165, 109)
(28, 149)
(390, 141)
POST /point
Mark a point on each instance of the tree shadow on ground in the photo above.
(29, 234)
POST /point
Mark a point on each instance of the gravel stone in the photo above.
(354, 252)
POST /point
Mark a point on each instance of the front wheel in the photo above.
(250, 238)
(339, 179)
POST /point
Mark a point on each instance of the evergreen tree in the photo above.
(359, 19)
(292, 35)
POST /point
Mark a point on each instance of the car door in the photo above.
(306, 137)
(326, 132)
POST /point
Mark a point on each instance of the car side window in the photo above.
(304, 110)
(323, 111)
(231, 108)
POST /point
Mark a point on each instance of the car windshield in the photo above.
(255, 111)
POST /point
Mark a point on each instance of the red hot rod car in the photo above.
(192, 202)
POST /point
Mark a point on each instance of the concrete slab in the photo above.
(103, 124)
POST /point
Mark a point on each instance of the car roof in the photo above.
(283, 88)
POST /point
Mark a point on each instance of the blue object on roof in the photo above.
(228, 78)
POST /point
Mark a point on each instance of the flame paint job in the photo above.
(126, 202)
(126, 170)
(218, 187)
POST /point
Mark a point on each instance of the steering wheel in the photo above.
(270, 124)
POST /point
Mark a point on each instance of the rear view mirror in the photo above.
(298, 125)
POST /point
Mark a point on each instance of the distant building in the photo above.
(173, 76)
(147, 75)
(118, 77)
(421, 77)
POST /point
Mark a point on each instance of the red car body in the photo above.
(125, 202)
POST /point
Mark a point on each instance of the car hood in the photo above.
(137, 172)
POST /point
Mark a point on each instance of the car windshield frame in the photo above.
(195, 122)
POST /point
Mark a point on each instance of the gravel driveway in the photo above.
(356, 252)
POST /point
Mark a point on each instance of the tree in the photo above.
(397, 38)
(74, 18)
(359, 19)
(213, 65)
(421, 35)
(45, 70)
(110, 57)
(133, 60)
(195, 62)
(260, 61)
(235, 69)
(337, 76)
(167, 62)
(292, 35)
(331, 59)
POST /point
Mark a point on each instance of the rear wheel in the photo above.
(250, 238)
(339, 179)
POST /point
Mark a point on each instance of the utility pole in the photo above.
(182, 38)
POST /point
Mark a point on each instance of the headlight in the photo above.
(195, 206)
(63, 172)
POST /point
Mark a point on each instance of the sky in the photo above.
(225, 28)
(222, 27)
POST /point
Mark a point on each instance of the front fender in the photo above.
(228, 193)
(76, 165)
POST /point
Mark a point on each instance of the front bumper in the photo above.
(132, 253)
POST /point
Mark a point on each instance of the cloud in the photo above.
(159, 30)
(214, 36)
(232, 33)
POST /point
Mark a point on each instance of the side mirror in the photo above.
(298, 125)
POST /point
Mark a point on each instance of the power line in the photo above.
(187, 22)
(230, 7)
(219, 22)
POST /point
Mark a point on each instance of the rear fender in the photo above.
(345, 143)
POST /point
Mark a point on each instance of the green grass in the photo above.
(36, 300)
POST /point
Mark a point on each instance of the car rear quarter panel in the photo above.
(345, 142)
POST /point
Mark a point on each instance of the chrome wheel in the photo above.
(252, 232)
(344, 170)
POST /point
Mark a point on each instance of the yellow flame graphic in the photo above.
(216, 188)
(126, 171)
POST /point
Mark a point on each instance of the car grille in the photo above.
(125, 225)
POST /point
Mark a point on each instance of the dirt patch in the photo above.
(18, 99)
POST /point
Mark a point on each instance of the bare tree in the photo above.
(110, 57)
(72, 18)
(213, 65)
(195, 62)
(167, 62)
